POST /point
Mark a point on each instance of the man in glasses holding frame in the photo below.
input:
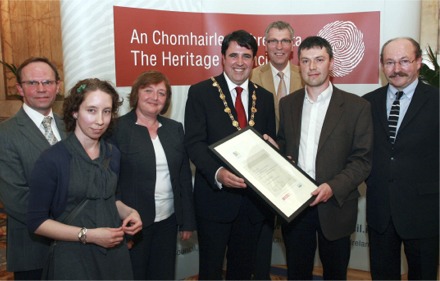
(23, 137)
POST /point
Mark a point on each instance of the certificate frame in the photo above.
(275, 178)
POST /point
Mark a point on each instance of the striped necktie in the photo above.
(394, 117)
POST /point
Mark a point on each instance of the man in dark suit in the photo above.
(228, 213)
(329, 134)
(279, 36)
(403, 187)
(22, 139)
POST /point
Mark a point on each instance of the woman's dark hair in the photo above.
(146, 79)
(77, 95)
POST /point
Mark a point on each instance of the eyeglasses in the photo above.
(34, 83)
(403, 63)
(275, 42)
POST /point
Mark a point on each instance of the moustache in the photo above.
(401, 74)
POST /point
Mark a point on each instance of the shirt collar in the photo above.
(326, 94)
(286, 71)
(408, 91)
(36, 116)
(232, 85)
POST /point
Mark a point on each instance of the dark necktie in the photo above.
(394, 117)
(241, 114)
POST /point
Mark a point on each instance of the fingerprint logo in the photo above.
(347, 43)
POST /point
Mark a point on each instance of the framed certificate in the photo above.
(274, 177)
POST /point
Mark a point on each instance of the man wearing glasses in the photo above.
(403, 187)
(280, 77)
(23, 138)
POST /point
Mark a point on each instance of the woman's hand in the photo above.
(132, 224)
(131, 220)
(105, 236)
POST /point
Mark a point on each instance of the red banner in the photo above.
(187, 46)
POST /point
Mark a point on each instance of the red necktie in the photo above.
(241, 114)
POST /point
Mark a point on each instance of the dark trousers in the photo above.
(385, 255)
(239, 237)
(153, 255)
(28, 275)
(301, 237)
(263, 256)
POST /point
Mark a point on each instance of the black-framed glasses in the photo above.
(275, 42)
(35, 83)
(403, 63)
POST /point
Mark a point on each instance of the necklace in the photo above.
(228, 109)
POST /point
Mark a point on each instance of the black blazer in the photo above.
(206, 123)
(343, 159)
(404, 182)
(137, 178)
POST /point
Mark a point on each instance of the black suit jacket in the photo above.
(137, 177)
(404, 182)
(343, 158)
(206, 123)
(21, 143)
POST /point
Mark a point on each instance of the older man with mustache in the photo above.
(403, 187)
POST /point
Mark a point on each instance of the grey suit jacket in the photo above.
(21, 143)
(262, 76)
(343, 158)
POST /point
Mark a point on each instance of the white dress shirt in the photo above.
(312, 119)
(37, 118)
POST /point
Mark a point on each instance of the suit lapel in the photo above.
(224, 86)
(60, 126)
(334, 113)
(295, 79)
(252, 87)
(169, 144)
(415, 106)
(381, 109)
(296, 120)
(30, 131)
(267, 78)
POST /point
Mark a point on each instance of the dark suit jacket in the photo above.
(21, 143)
(344, 154)
(404, 181)
(262, 76)
(137, 178)
(206, 123)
